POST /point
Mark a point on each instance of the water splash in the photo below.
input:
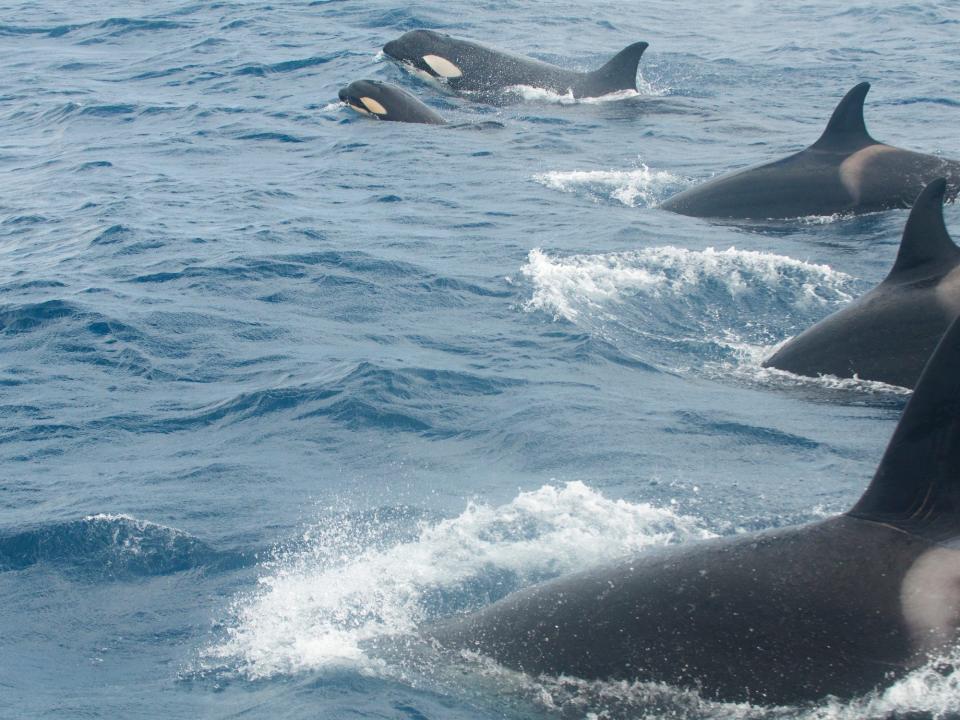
(571, 286)
(748, 367)
(714, 312)
(641, 187)
(346, 583)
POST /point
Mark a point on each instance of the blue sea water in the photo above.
(278, 382)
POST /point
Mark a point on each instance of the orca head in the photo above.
(369, 97)
(426, 51)
(384, 101)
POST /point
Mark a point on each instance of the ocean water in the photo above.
(278, 383)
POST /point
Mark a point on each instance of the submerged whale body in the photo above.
(845, 171)
(469, 66)
(889, 333)
(837, 607)
(387, 102)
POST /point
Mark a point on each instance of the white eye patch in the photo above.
(373, 106)
(442, 67)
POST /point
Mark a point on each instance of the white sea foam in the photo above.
(932, 691)
(317, 605)
(640, 187)
(822, 219)
(748, 366)
(565, 285)
(542, 95)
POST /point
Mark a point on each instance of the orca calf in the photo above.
(837, 607)
(469, 66)
(845, 171)
(889, 333)
(387, 102)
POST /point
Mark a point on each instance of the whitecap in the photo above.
(642, 186)
(566, 286)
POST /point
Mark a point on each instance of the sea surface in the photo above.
(280, 383)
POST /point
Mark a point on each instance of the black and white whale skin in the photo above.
(837, 607)
(469, 66)
(387, 102)
(845, 171)
(889, 333)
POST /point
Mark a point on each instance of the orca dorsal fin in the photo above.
(926, 245)
(621, 72)
(846, 129)
(917, 486)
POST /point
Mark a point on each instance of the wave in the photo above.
(642, 187)
(153, 345)
(112, 27)
(346, 583)
(110, 546)
(709, 310)
(403, 399)
(261, 70)
(367, 273)
(365, 396)
(28, 317)
(569, 286)
(278, 137)
(290, 265)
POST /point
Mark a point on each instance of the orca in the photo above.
(845, 171)
(465, 65)
(889, 333)
(836, 607)
(387, 102)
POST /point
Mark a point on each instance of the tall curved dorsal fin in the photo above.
(846, 128)
(917, 486)
(926, 241)
(621, 72)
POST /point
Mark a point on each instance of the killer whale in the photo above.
(470, 66)
(845, 171)
(835, 607)
(387, 102)
(889, 333)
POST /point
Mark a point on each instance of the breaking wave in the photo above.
(641, 187)
(718, 312)
(114, 546)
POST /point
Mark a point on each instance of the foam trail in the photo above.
(642, 187)
(717, 310)
(317, 604)
(529, 93)
(748, 366)
(930, 692)
(567, 286)
(542, 95)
